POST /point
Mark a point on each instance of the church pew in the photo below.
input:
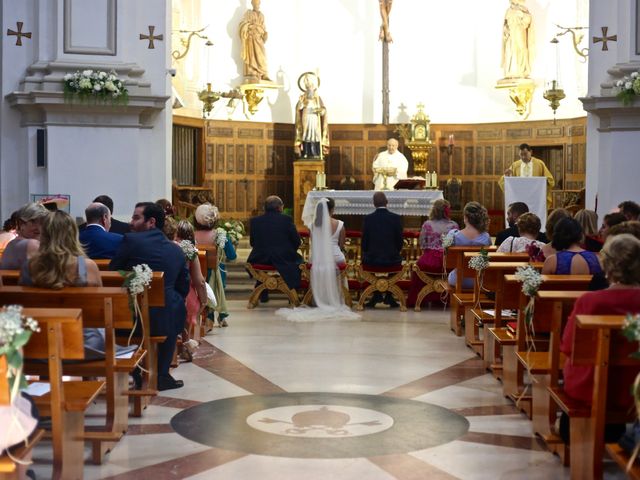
(102, 307)
(13, 467)
(511, 342)
(60, 338)
(598, 343)
(460, 299)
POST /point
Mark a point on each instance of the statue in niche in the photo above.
(516, 38)
(254, 35)
(312, 132)
(385, 10)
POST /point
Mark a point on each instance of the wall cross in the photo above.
(19, 34)
(604, 39)
(151, 37)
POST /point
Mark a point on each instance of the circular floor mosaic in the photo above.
(319, 425)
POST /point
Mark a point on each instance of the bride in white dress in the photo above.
(325, 256)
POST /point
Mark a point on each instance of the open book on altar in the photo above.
(410, 184)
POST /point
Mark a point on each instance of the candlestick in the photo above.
(451, 140)
(434, 180)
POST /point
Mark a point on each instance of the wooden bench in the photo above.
(597, 343)
(13, 467)
(102, 307)
(60, 338)
(460, 299)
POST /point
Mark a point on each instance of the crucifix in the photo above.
(385, 37)
(604, 39)
(19, 34)
(151, 37)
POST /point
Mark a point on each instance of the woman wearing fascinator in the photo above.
(327, 240)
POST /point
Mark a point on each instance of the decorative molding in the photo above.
(250, 133)
(70, 43)
(464, 135)
(282, 134)
(519, 133)
(550, 132)
(18, 33)
(576, 131)
(151, 37)
(219, 132)
(604, 39)
(490, 134)
(613, 115)
(378, 135)
(346, 135)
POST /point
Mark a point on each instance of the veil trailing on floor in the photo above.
(327, 293)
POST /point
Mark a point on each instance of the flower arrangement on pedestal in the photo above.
(97, 85)
(234, 230)
(628, 88)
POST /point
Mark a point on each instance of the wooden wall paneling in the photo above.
(209, 158)
(498, 197)
(220, 157)
(332, 162)
(289, 158)
(220, 196)
(488, 195)
(477, 191)
(251, 159)
(269, 168)
(488, 160)
(358, 161)
(569, 163)
(556, 161)
(445, 162)
(479, 161)
(346, 162)
(241, 192)
(499, 162)
(509, 156)
(240, 159)
(432, 163)
(467, 191)
(252, 203)
(231, 162)
(457, 161)
(469, 160)
(230, 198)
(281, 153)
(261, 194)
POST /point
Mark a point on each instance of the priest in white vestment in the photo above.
(391, 158)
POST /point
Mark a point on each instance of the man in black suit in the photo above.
(148, 244)
(116, 225)
(513, 213)
(275, 241)
(96, 238)
(381, 241)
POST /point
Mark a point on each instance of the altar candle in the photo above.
(451, 139)
(434, 180)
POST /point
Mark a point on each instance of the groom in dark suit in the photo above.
(381, 241)
(148, 244)
(97, 240)
(275, 241)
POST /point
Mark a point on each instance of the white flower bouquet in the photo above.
(15, 331)
(137, 279)
(628, 88)
(530, 278)
(221, 238)
(447, 240)
(98, 85)
(480, 261)
(234, 230)
(189, 249)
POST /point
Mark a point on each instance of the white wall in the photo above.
(122, 151)
(445, 54)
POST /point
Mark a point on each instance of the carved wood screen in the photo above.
(185, 154)
(243, 162)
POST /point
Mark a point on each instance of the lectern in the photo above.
(530, 190)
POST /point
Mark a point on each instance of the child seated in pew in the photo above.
(620, 258)
(474, 233)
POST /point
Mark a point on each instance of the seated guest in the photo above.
(169, 211)
(204, 220)
(621, 264)
(148, 244)
(96, 238)
(610, 220)
(381, 242)
(599, 280)
(513, 213)
(275, 241)
(588, 220)
(554, 217)
(570, 258)
(9, 230)
(61, 262)
(28, 220)
(474, 233)
(430, 241)
(528, 225)
(631, 210)
(116, 225)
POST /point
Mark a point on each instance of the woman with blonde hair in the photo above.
(430, 241)
(28, 220)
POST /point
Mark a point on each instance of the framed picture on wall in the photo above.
(53, 202)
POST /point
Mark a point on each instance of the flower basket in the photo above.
(628, 88)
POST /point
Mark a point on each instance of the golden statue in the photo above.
(516, 38)
(385, 10)
(253, 35)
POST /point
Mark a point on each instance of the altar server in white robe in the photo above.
(389, 158)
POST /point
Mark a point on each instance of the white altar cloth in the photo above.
(360, 202)
(530, 190)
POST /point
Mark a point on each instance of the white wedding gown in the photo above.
(325, 254)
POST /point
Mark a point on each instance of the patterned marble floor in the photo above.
(395, 395)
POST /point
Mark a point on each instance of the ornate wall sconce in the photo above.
(254, 93)
(520, 93)
(577, 35)
(186, 43)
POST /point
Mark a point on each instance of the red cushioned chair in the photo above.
(269, 279)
